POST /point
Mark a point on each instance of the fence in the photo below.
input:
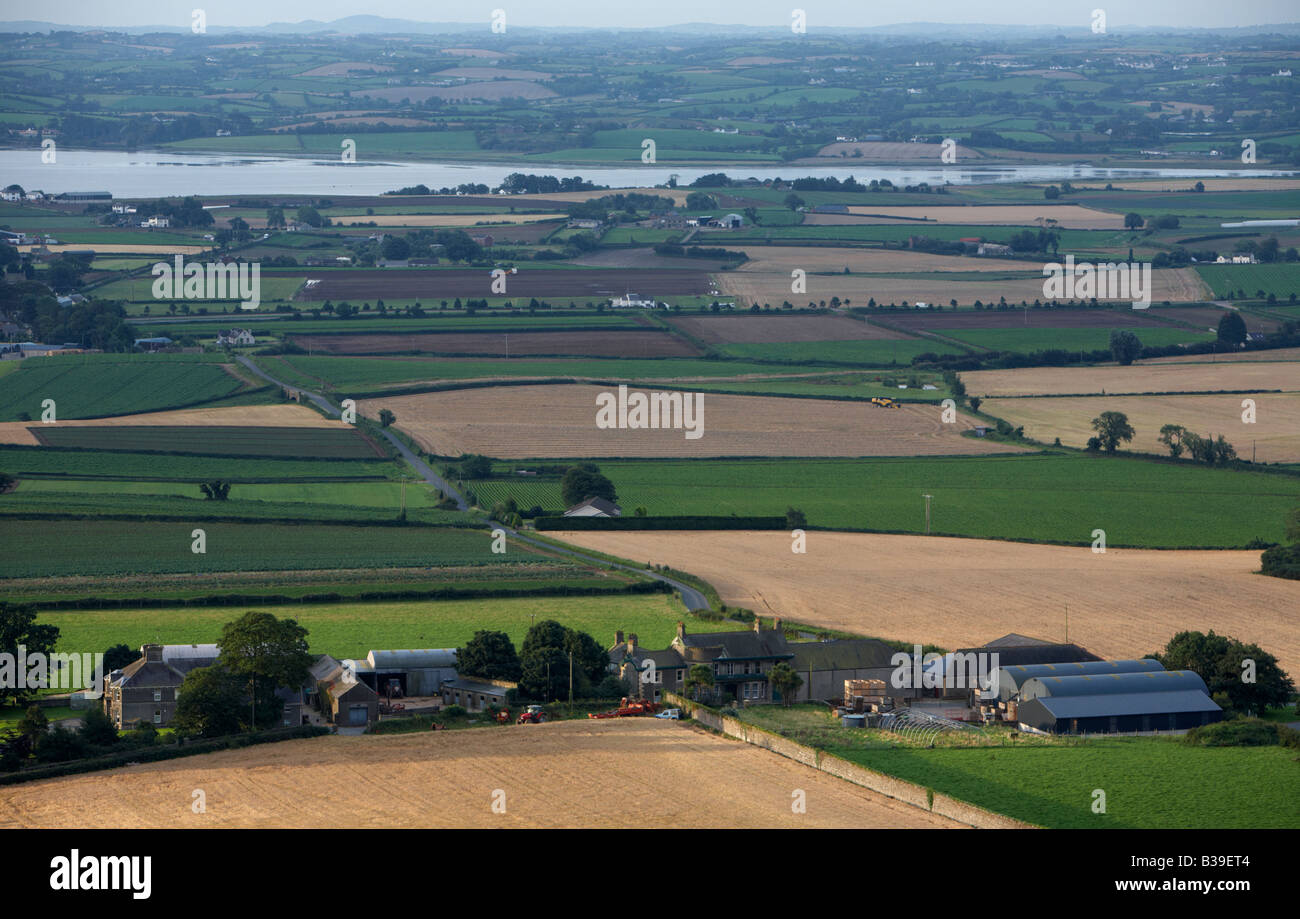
(898, 789)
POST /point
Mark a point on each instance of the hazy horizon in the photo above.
(591, 14)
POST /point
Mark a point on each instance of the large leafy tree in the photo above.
(211, 703)
(1111, 428)
(585, 481)
(489, 655)
(1232, 328)
(1221, 662)
(1125, 347)
(545, 657)
(266, 652)
(18, 627)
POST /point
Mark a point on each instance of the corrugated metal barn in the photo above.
(1011, 679)
(1157, 700)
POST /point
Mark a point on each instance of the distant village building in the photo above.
(632, 301)
(594, 507)
(236, 337)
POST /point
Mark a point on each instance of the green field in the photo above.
(381, 494)
(350, 630)
(1030, 340)
(877, 353)
(1047, 497)
(1149, 782)
(50, 461)
(1279, 280)
(215, 440)
(98, 388)
(52, 548)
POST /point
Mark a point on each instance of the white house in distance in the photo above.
(236, 337)
(594, 507)
(632, 301)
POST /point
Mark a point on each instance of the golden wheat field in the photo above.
(514, 422)
(1065, 215)
(963, 592)
(1138, 378)
(1274, 437)
(260, 416)
(630, 773)
(867, 261)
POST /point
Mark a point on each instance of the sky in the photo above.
(640, 13)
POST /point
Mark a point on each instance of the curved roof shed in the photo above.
(1012, 678)
(1105, 684)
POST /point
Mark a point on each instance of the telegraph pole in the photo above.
(570, 682)
(927, 513)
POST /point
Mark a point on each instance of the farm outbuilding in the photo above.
(1157, 700)
(408, 672)
(1011, 679)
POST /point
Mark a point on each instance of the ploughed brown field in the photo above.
(613, 343)
(1274, 436)
(761, 328)
(1173, 284)
(633, 773)
(1229, 376)
(959, 593)
(1207, 317)
(1272, 356)
(514, 422)
(435, 284)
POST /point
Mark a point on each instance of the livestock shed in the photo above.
(1158, 700)
(825, 666)
(1011, 679)
(408, 672)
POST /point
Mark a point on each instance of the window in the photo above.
(753, 690)
(157, 695)
(157, 716)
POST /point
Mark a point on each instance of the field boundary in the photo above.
(927, 799)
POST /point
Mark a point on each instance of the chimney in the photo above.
(776, 624)
(151, 652)
(631, 644)
(681, 631)
(758, 625)
(618, 638)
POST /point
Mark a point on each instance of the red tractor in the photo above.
(534, 714)
(628, 709)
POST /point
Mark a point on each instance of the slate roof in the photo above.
(748, 644)
(842, 654)
(1011, 655)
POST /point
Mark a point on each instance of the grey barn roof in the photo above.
(1015, 654)
(424, 658)
(1114, 705)
(844, 654)
(1112, 684)
(1011, 678)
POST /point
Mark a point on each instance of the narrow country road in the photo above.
(692, 598)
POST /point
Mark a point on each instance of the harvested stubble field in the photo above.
(480, 222)
(613, 343)
(560, 421)
(957, 593)
(1065, 215)
(1232, 376)
(630, 773)
(1273, 438)
(763, 329)
(1275, 355)
(244, 416)
(1173, 284)
(867, 261)
(434, 283)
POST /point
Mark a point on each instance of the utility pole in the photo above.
(570, 682)
(1067, 623)
(927, 513)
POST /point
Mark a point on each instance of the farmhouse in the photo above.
(594, 507)
(647, 673)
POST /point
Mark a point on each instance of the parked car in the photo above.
(674, 713)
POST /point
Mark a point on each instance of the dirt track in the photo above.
(636, 774)
(964, 592)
